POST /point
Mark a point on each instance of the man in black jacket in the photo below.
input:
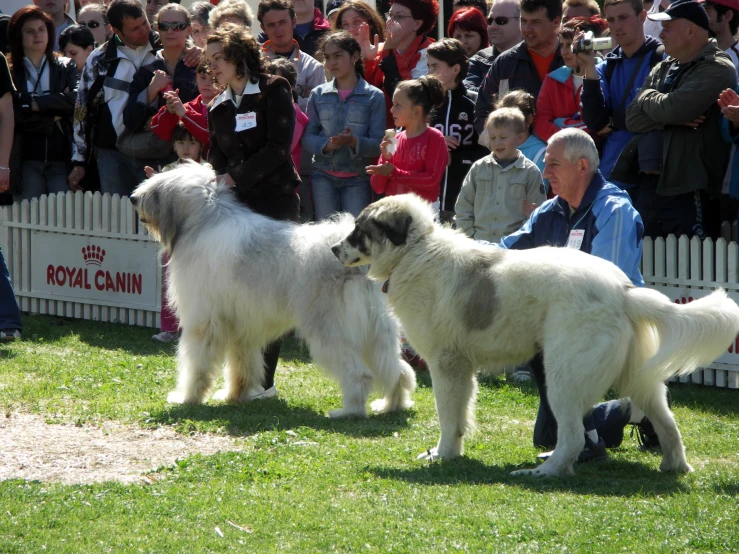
(504, 32)
(524, 66)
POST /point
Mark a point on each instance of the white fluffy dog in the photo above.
(239, 280)
(464, 306)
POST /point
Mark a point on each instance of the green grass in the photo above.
(305, 483)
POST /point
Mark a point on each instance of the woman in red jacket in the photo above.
(558, 104)
(403, 55)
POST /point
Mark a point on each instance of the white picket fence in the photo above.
(58, 226)
(684, 270)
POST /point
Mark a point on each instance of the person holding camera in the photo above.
(526, 65)
(558, 105)
(679, 157)
(609, 88)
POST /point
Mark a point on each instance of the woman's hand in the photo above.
(229, 180)
(385, 170)
(369, 48)
(728, 101)
(75, 176)
(394, 32)
(150, 171)
(451, 142)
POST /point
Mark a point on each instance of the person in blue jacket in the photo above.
(592, 215)
(608, 88)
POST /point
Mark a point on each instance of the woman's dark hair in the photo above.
(15, 34)
(79, 35)
(470, 20)
(344, 41)
(95, 8)
(425, 10)
(596, 25)
(427, 92)
(240, 49)
(180, 132)
(284, 68)
(368, 13)
(200, 11)
(451, 52)
(121, 9)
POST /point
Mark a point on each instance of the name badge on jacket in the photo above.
(246, 121)
(575, 240)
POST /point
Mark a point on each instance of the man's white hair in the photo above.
(578, 145)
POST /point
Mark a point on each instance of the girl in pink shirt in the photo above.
(421, 154)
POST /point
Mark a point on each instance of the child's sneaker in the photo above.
(166, 336)
(9, 335)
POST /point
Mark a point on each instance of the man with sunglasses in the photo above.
(504, 32)
(525, 65)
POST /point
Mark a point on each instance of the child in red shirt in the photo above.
(421, 154)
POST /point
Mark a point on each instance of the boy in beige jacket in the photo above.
(500, 190)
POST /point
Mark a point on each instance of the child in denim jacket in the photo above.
(346, 123)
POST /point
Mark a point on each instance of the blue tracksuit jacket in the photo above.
(613, 228)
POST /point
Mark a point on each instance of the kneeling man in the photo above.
(597, 217)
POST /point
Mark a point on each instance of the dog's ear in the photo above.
(395, 227)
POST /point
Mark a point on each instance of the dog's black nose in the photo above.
(335, 250)
(133, 200)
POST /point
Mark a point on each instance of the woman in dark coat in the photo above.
(251, 130)
(43, 105)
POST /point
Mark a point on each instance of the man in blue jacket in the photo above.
(594, 216)
(608, 89)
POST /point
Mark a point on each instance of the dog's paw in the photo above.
(177, 397)
(679, 467)
(221, 396)
(343, 413)
(430, 455)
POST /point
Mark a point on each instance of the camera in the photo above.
(589, 42)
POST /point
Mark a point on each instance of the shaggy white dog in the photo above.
(238, 281)
(464, 306)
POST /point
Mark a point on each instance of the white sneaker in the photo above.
(166, 336)
(258, 393)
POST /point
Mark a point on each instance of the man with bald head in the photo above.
(678, 157)
(504, 32)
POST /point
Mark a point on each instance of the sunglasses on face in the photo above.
(175, 26)
(500, 20)
(90, 24)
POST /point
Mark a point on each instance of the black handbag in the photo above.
(143, 145)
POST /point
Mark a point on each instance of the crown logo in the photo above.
(93, 255)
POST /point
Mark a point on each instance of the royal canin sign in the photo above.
(79, 268)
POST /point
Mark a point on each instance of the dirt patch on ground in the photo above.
(32, 449)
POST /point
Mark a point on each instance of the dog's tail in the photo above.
(674, 339)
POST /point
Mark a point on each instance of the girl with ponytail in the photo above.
(346, 122)
(421, 154)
